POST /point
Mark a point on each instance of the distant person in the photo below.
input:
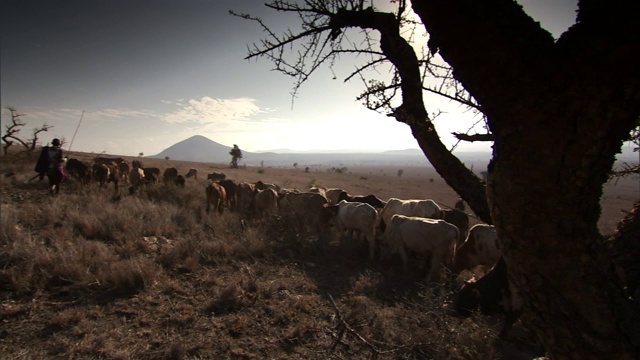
(51, 163)
(236, 154)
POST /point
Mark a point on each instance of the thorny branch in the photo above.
(396, 76)
(323, 37)
(344, 326)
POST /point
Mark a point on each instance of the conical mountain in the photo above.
(197, 148)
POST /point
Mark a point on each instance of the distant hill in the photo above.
(201, 149)
(415, 152)
(198, 149)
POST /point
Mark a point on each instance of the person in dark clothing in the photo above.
(41, 165)
(51, 163)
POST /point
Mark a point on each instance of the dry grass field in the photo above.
(95, 274)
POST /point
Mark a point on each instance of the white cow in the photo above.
(430, 239)
(265, 202)
(306, 209)
(356, 217)
(318, 190)
(481, 247)
(419, 208)
(335, 195)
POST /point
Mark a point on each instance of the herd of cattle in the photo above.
(117, 170)
(437, 237)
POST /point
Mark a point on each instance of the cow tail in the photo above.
(452, 249)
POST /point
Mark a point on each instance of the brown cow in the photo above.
(230, 187)
(170, 175)
(114, 174)
(244, 197)
(101, 173)
(180, 181)
(368, 199)
(124, 169)
(106, 173)
(192, 172)
(136, 179)
(79, 170)
(217, 196)
(121, 164)
(151, 175)
(106, 160)
(216, 176)
(492, 293)
(262, 185)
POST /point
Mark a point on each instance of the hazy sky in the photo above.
(151, 73)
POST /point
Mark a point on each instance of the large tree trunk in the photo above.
(559, 112)
(545, 206)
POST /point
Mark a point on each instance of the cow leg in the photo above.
(403, 256)
(340, 234)
(372, 246)
(350, 233)
(435, 265)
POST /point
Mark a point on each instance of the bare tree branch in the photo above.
(380, 38)
(474, 137)
(12, 131)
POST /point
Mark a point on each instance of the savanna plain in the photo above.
(95, 273)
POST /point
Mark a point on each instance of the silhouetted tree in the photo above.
(236, 154)
(557, 112)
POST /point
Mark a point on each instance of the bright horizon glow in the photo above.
(149, 78)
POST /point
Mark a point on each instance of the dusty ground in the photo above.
(229, 296)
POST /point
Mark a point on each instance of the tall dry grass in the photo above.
(208, 285)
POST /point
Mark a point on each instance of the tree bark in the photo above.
(558, 121)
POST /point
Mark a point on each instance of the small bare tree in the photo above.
(12, 131)
(236, 154)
